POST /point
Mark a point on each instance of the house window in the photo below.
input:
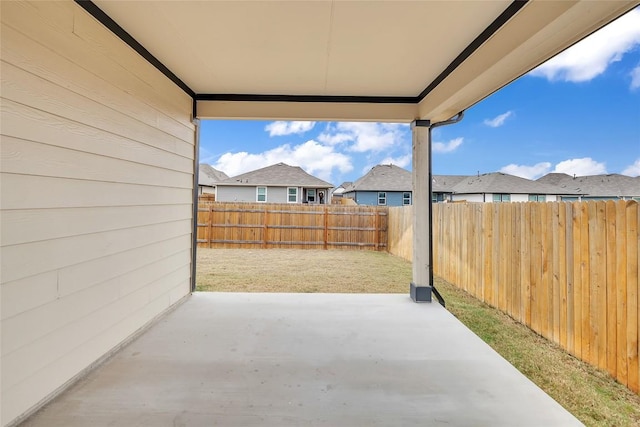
(498, 197)
(437, 197)
(261, 194)
(537, 198)
(382, 198)
(311, 195)
(292, 194)
(406, 198)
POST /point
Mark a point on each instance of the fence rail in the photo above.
(259, 225)
(569, 271)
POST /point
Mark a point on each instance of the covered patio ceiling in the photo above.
(348, 60)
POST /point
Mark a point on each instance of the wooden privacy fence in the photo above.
(267, 225)
(569, 271)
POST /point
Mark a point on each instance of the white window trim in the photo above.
(385, 198)
(297, 191)
(265, 194)
(500, 197)
(403, 198)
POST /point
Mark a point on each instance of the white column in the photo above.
(421, 286)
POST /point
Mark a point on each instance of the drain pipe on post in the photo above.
(196, 173)
(457, 118)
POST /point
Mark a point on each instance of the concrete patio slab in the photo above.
(239, 359)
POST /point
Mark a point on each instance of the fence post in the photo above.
(377, 231)
(265, 228)
(209, 237)
(326, 226)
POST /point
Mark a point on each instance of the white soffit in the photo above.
(379, 49)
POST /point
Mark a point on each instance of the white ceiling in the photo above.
(352, 48)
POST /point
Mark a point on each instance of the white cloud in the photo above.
(402, 161)
(581, 167)
(591, 56)
(364, 137)
(317, 159)
(578, 167)
(635, 78)
(632, 170)
(499, 120)
(288, 128)
(529, 172)
(335, 139)
(447, 147)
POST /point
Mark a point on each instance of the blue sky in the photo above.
(579, 113)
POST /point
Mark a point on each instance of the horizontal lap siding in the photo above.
(235, 194)
(96, 185)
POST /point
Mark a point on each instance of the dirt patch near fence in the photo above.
(299, 270)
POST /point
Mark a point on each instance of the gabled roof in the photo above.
(342, 187)
(383, 178)
(554, 178)
(498, 182)
(278, 175)
(445, 183)
(210, 176)
(595, 185)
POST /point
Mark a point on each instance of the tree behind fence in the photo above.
(569, 271)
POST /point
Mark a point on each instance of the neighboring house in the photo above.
(595, 187)
(502, 187)
(279, 183)
(208, 177)
(383, 185)
(442, 186)
(338, 192)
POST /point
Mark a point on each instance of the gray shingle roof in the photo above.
(498, 182)
(611, 185)
(446, 183)
(210, 176)
(278, 175)
(341, 188)
(383, 178)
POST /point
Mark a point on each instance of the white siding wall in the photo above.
(96, 191)
(519, 197)
(470, 197)
(206, 190)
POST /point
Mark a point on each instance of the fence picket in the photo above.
(611, 288)
(632, 294)
(560, 264)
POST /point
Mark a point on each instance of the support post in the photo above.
(196, 172)
(421, 287)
